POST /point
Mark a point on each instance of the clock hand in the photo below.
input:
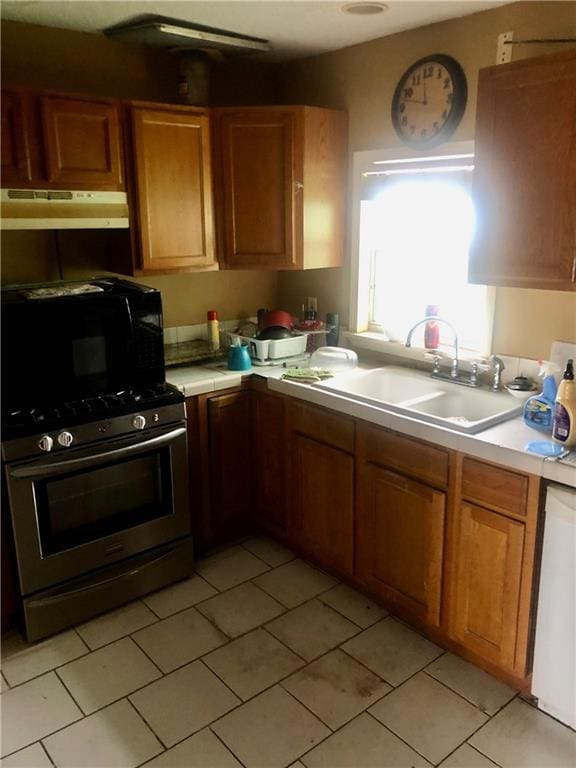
(425, 98)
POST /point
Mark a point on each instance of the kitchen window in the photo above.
(414, 223)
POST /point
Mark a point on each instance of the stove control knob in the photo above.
(65, 439)
(45, 443)
(138, 422)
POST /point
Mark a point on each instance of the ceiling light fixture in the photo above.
(364, 9)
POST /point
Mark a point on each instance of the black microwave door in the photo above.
(66, 349)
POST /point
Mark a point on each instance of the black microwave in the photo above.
(76, 340)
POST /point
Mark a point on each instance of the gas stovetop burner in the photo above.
(19, 423)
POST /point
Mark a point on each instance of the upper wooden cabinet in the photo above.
(282, 174)
(61, 142)
(525, 174)
(173, 187)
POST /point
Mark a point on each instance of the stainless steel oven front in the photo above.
(97, 505)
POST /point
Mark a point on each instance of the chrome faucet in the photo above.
(497, 367)
(455, 362)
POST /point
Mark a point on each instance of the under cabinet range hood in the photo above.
(63, 209)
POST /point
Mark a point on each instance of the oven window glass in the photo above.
(93, 503)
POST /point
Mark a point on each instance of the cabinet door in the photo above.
(271, 462)
(174, 189)
(323, 488)
(524, 179)
(488, 572)
(231, 465)
(82, 143)
(257, 155)
(400, 535)
(16, 166)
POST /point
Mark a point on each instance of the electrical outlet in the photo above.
(504, 49)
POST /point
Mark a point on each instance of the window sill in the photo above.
(377, 343)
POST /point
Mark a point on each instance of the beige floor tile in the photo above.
(203, 750)
(179, 639)
(33, 710)
(480, 688)
(183, 702)
(523, 737)
(270, 731)
(115, 737)
(312, 629)
(21, 661)
(268, 550)
(354, 605)
(336, 688)
(241, 609)
(363, 743)
(108, 674)
(3, 684)
(294, 583)
(115, 624)
(252, 663)
(467, 757)
(31, 757)
(230, 567)
(428, 716)
(175, 598)
(392, 650)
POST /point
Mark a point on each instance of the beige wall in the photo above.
(42, 57)
(361, 79)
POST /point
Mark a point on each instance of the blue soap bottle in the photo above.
(539, 409)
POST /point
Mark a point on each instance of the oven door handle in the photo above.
(58, 467)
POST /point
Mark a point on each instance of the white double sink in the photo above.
(416, 394)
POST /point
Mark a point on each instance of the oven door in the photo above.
(98, 505)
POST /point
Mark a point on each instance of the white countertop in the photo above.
(503, 444)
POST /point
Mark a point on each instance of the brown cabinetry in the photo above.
(173, 188)
(282, 173)
(322, 485)
(524, 179)
(271, 458)
(61, 142)
(400, 524)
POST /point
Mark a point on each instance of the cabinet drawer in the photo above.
(330, 428)
(411, 457)
(501, 489)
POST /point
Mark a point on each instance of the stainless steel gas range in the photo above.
(97, 484)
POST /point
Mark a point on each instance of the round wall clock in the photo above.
(429, 101)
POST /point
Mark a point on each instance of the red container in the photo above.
(277, 317)
(432, 330)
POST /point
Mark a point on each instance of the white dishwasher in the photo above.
(554, 673)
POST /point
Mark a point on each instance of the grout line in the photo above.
(68, 692)
(314, 714)
(460, 695)
(46, 752)
(387, 727)
(147, 724)
(226, 685)
(84, 643)
(285, 644)
(234, 755)
(482, 753)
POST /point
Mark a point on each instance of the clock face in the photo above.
(429, 101)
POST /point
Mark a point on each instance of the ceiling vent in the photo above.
(179, 35)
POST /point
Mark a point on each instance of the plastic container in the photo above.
(238, 356)
(213, 327)
(334, 359)
(564, 428)
(432, 329)
(539, 409)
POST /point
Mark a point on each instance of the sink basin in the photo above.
(417, 395)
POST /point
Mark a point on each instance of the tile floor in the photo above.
(262, 661)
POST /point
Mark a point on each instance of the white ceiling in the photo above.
(295, 28)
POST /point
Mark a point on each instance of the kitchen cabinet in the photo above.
(270, 435)
(61, 142)
(231, 465)
(524, 177)
(492, 563)
(281, 198)
(172, 194)
(400, 525)
(322, 486)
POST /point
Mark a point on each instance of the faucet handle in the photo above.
(474, 373)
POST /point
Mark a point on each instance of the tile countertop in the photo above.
(502, 444)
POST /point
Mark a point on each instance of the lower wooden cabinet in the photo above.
(488, 575)
(271, 457)
(323, 503)
(400, 540)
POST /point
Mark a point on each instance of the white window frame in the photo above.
(359, 331)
